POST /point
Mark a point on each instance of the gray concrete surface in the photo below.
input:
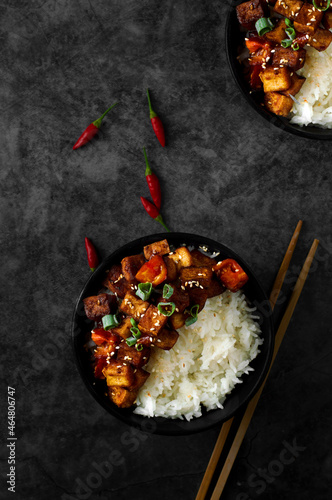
(225, 173)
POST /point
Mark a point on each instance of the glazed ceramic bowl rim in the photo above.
(308, 132)
(162, 425)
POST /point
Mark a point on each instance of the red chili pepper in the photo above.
(156, 122)
(92, 254)
(153, 183)
(153, 211)
(91, 130)
(231, 274)
(255, 81)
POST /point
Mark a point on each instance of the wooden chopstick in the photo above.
(277, 285)
(227, 425)
(253, 403)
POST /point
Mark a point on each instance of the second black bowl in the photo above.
(234, 41)
(239, 396)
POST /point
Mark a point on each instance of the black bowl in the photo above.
(242, 392)
(234, 41)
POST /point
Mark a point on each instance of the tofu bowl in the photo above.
(287, 79)
(213, 353)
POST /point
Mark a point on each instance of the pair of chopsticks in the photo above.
(239, 436)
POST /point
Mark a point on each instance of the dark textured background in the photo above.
(226, 174)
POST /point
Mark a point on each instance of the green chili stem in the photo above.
(148, 170)
(97, 122)
(152, 113)
(161, 221)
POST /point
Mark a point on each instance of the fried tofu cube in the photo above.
(278, 104)
(275, 79)
(201, 260)
(152, 321)
(278, 34)
(297, 82)
(133, 306)
(130, 354)
(288, 8)
(327, 20)
(308, 19)
(215, 288)
(320, 40)
(121, 397)
(157, 248)
(131, 265)
(196, 276)
(166, 339)
(172, 272)
(179, 297)
(141, 377)
(177, 320)
(116, 282)
(293, 59)
(181, 257)
(197, 296)
(123, 329)
(119, 374)
(97, 306)
(249, 12)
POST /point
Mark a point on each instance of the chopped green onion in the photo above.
(167, 291)
(162, 308)
(194, 310)
(135, 332)
(286, 43)
(133, 322)
(288, 23)
(295, 46)
(139, 347)
(291, 33)
(328, 3)
(131, 341)
(110, 321)
(191, 320)
(264, 25)
(144, 290)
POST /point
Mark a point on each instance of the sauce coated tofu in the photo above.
(308, 19)
(177, 320)
(180, 299)
(116, 282)
(288, 8)
(196, 276)
(123, 398)
(153, 321)
(119, 374)
(181, 257)
(249, 12)
(166, 339)
(297, 82)
(277, 103)
(123, 329)
(133, 306)
(171, 268)
(99, 305)
(129, 354)
(293, 59)
(141, 377)
(278, 34)
(157, 248)
(131, 265)
(321, 39)
(275, 79)
(201, 260)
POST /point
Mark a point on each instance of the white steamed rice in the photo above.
(205, 364)
(315, 97)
